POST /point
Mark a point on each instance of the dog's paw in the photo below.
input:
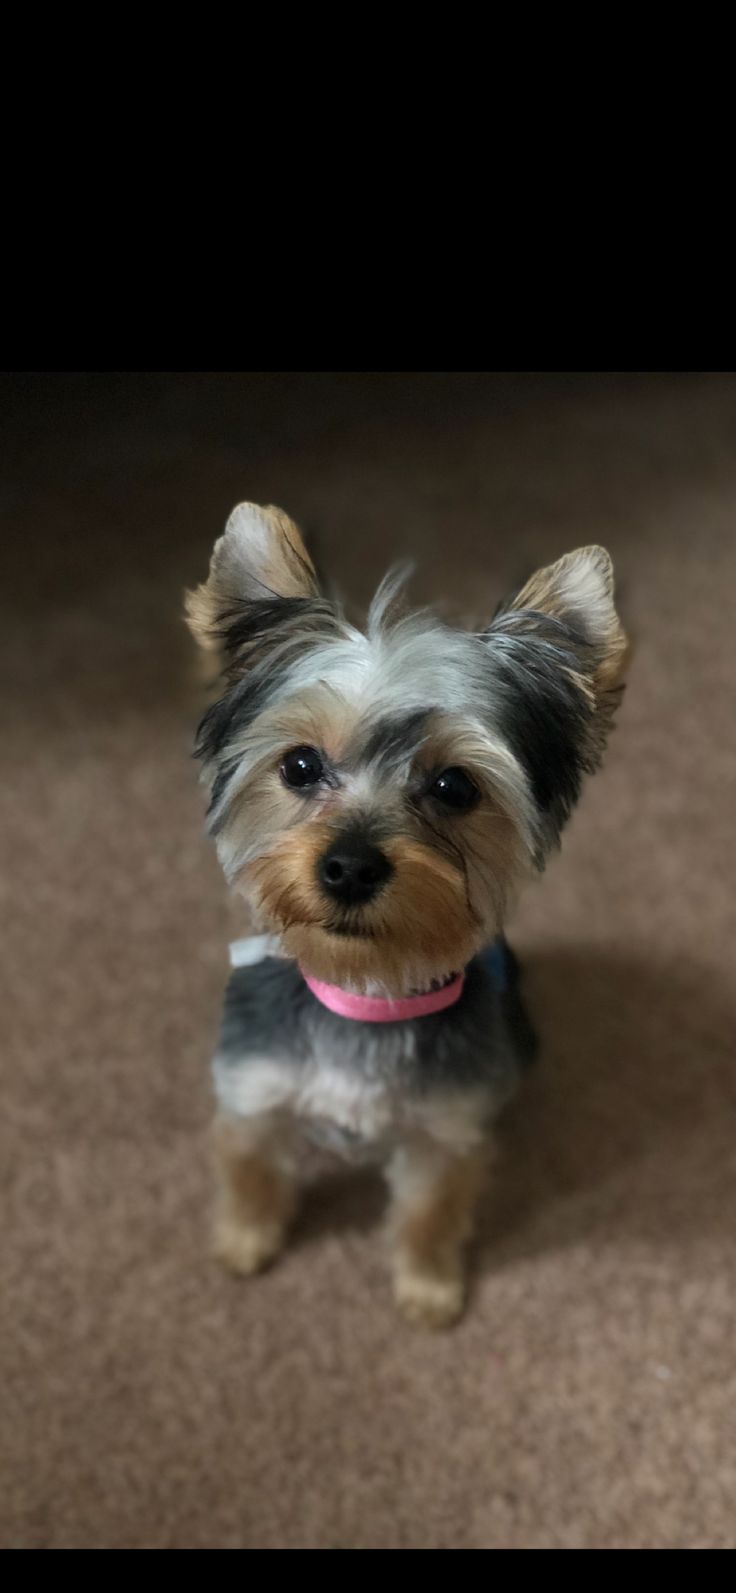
(246, 1250)
(429, 1299)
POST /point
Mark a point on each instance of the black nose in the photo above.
(352, 871)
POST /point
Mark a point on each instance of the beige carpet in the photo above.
(589, 1398)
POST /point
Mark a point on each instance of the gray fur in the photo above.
(512, 686)
(522, 701)
(480, 1045)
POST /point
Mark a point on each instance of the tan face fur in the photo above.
(387, 711)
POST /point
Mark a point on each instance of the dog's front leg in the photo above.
(256, 1191)
(435, 1192)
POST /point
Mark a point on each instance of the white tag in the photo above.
(253, 948)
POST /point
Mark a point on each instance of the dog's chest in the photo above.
(353, 1085)
(345, 1113)
(356, 1111)
(341, 1099)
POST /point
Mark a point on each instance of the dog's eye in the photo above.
(454, 789)
(301, 767)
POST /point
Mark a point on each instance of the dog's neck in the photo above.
(368, 1008)
(372, 998)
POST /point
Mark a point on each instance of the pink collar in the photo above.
(380, 1009)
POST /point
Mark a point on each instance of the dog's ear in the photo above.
(558, 653)
(260, 557)
(578, 593)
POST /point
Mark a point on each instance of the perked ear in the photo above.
(559, 654)
(259, 557)
(578, 591)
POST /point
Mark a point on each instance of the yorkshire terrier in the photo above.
(379, 796)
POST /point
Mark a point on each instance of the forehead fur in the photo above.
(529, 699)
(386, 680)
(372, 702)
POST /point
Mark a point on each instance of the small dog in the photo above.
(379, 797)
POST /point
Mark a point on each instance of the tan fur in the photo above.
(265, 807)
(552, 590)
(260, 552)
(421, 918)
(431, 916)
(435, 1197)
(255, 1191)
(493, 834)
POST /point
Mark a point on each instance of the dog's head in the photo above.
(379, 795)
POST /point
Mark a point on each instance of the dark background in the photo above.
(588, 1397)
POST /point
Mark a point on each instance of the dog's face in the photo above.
(380, 796)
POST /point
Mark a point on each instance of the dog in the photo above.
(379, 796)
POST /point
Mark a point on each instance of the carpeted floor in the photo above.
(589, 1397)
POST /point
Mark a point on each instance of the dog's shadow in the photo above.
(623, 1126)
